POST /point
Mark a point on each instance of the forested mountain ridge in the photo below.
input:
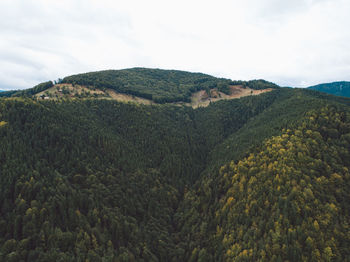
(146, 86)
(98, 180)
(161, 86)
(341, 88)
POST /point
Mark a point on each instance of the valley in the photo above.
(163, 165)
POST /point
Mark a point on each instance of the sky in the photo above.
(292, 43)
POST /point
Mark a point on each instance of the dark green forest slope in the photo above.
(341, 88)
(285, 201)
(121, 160)
(99, 180)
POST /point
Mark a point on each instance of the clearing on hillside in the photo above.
(68, 91)
(201, 98)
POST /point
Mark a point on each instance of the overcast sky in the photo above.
(291, 43)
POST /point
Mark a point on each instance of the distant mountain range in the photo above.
(341, 88)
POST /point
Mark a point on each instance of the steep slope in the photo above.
(286, 111)
(286, 201)
(341, 88)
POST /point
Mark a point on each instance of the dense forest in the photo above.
(260, 178)
(285, 201)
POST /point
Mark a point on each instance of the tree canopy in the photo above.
(260, 178)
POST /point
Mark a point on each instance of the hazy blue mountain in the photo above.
(341, 88)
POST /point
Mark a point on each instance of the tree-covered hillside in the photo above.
(157, 85)
(336, 88)
(100, 180)
(98, 170)
(286, 201)
(161, 86)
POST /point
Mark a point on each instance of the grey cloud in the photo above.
(271, 9)
(291, 43)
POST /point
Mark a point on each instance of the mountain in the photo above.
(148, 86)
(158, 85)
(258, 176)
(335, 88)
(7, 93)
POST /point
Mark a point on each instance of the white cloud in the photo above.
(294, 43)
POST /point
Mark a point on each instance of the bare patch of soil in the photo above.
(198, 99)
(128, 98)
(202, 99)
(60, 91)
